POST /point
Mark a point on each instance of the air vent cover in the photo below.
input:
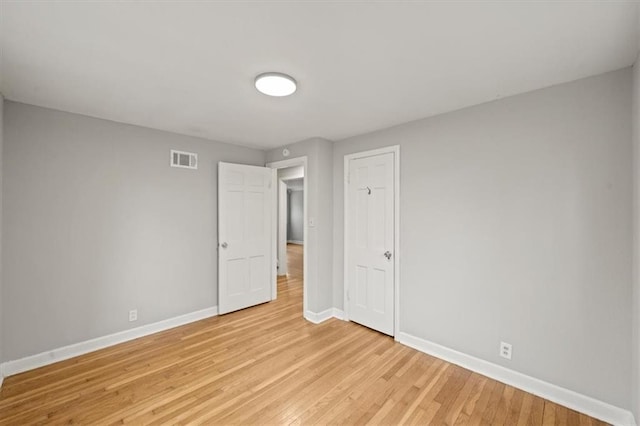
(185, 160)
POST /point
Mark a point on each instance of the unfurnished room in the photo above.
(320, 212)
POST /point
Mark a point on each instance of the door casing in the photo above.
(395, 149)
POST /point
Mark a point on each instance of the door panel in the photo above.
(244, 236)
(370, 234)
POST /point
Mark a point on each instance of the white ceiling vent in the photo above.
(186, 160)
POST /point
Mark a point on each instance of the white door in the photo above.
(244, 236)
(370, 241)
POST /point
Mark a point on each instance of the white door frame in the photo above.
(395, 150)
(283, 164)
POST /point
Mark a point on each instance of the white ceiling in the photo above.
(188, 67)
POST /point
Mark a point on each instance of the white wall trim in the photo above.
(338, 314)
(10, 368)
(395, 150)
(568, 398)
(319, 317)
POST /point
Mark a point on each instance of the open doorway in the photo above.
(290, 219)
(290, 226)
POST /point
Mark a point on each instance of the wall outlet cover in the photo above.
(505, 350)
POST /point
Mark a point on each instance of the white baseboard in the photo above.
(338, 313)
(568, 398)
(10, 368)
(300, 243)
(318, 317)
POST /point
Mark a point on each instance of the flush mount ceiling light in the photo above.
(275, 84)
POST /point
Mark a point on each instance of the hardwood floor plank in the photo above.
(492, 405)
(515, 407)
(573, 418)
(434, 372)
(561, 415)
(458, 404)
(549, 414)
(267, 365)
(476, 416)
(470, 403)
(537, 407)
(525, 410)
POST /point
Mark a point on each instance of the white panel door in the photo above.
(370, 242)
(244, 236)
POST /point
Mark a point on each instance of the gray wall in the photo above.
(515, 225)
(635, 341)
(97, 223)
(295, 222)
(319, 242)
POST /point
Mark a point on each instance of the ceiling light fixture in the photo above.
(275, 84)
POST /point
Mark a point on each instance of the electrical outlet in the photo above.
(505, 350)
(133, 315)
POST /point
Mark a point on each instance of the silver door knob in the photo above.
(387, 254)
(224, 245)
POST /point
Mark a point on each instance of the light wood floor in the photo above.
(295, 261)
(268, 365)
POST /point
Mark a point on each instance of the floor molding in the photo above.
(296, 242)
(338, 313)
(10, 368)
(318, 317)
(568, 398)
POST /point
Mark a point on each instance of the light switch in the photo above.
(312, 222)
